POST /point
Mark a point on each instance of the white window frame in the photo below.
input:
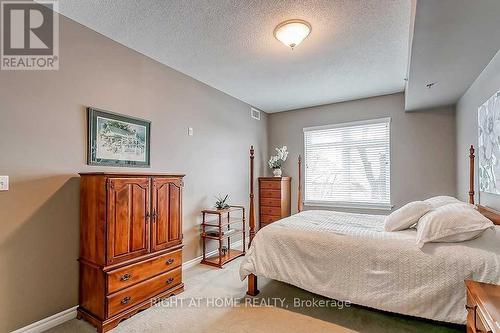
(346, 204)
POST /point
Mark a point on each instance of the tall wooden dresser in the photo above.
(274, 199)
(130, 244)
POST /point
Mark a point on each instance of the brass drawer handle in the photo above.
(170, 261)
(470, 307)
(125, 277)
(170, 280)
(125, 300)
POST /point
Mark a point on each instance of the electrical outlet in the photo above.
(190, 131)
(4, 183)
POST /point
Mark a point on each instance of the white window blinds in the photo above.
(348, 165)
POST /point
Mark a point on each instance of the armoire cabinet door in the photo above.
(128, 218)
(167, 226)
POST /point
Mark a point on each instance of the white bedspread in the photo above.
(350, 257)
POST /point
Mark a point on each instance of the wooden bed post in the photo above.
(490, 213)
(251, 218)
(299, 187)
(471, 175)
(252, 285)
(252, 279)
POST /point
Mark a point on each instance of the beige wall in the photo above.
(479, 92)
(43, 147)
(422, 143)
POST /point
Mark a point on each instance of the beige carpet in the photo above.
(200, 309)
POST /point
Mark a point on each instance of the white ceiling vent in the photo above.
(255, 113)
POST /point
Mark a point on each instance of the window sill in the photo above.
(348, 205)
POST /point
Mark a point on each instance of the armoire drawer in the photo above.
(142, 291)
(129, 275)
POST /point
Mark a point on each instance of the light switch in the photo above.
(190, 131)
(4, 183)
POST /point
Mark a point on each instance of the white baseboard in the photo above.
(49, 322)
(66, 315)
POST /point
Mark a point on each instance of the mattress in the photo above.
(350, 257)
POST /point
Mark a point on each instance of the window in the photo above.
(348, 165)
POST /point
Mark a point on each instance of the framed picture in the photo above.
(117, 140)
(488, 117)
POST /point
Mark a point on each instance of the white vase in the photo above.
(277, 172)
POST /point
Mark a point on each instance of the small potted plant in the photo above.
(276, 161)
(221, 203)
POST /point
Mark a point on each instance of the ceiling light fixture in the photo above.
(292, 32)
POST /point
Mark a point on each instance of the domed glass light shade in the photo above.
(292, 32)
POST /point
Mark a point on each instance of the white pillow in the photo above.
(442, 200)
(406, 216)
(456, 222)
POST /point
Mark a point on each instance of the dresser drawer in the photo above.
(270, 194)
(475, 318)
(140, 292)
(481, 325)
(270, 202)
(270, 184)
(265, 210)
(269, 218)
(127, 276)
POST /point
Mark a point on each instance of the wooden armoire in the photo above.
(130, 244)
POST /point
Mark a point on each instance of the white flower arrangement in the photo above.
(276, 161)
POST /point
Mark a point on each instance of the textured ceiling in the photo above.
(453, 41)
(357, 48)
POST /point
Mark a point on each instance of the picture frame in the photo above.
(117, 140)
(488, 149)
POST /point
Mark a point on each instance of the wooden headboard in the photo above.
(490, 213)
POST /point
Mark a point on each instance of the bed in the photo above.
(350, 257)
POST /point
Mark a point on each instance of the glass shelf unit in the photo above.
(218, 225)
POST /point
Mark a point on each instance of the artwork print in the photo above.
(118, 140)
(489, 145)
